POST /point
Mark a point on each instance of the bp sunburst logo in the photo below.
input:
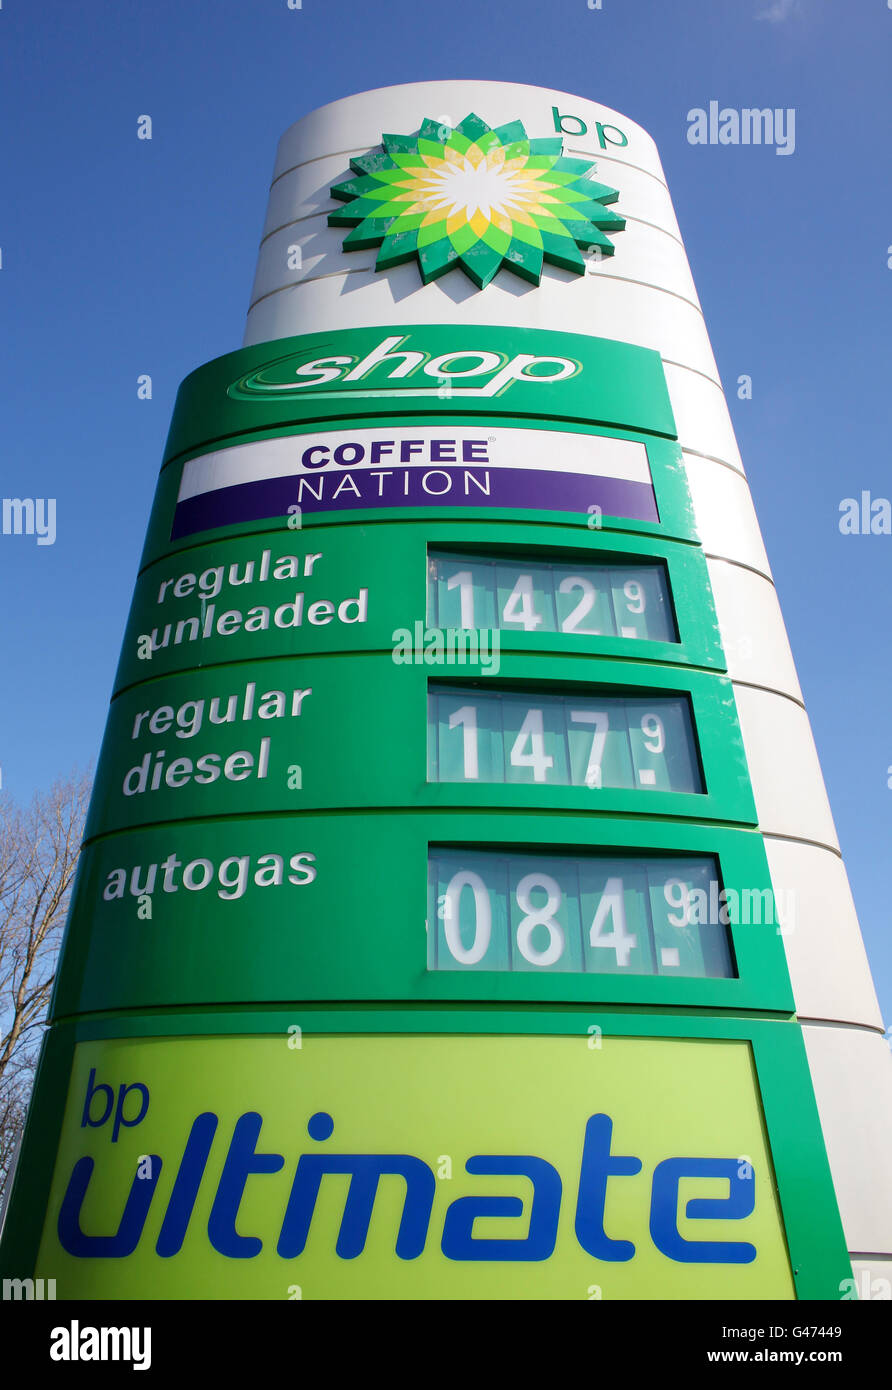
(475, 197)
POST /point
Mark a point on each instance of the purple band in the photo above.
(469, 486)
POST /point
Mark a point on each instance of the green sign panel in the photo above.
(422, 776)
(428, 369)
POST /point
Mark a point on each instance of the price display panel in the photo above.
(597, 915)
(472, 591)
(531, 738)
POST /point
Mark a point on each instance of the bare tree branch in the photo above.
(39, 848)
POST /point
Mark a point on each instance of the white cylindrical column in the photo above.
(644, 295)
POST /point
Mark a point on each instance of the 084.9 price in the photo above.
(634, 915)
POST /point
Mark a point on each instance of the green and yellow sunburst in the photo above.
(478, 198)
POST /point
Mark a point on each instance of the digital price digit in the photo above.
(600, 720)
(539, 917)
(466, 719)
(634, 593)
(585, 605)
(464, 582)
(678, 896)
(613, 907)
(520, 608)
(528, 749)
(467, 955)
(654, 733)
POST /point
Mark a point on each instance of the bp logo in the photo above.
(475, 197)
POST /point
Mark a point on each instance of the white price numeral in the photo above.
(539, 917)
(600, 722)
(474, 953)
(532, 733)
(520, 608)
(678, 895)
(466, 717)
(463, 581)
(620, 940)
(634, 593)
(583, 607)
(654, 733)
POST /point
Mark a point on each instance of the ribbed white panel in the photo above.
(753, 632)
(647, 252)
(725, 515)
(825, 953)
(853, 1085)
(790, 796)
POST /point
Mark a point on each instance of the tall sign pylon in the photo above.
(460, 912)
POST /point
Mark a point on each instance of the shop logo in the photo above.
(399, 372)
(478, 198)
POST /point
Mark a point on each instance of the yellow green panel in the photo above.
(425, 1105)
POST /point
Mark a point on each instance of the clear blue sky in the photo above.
(122, 256)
